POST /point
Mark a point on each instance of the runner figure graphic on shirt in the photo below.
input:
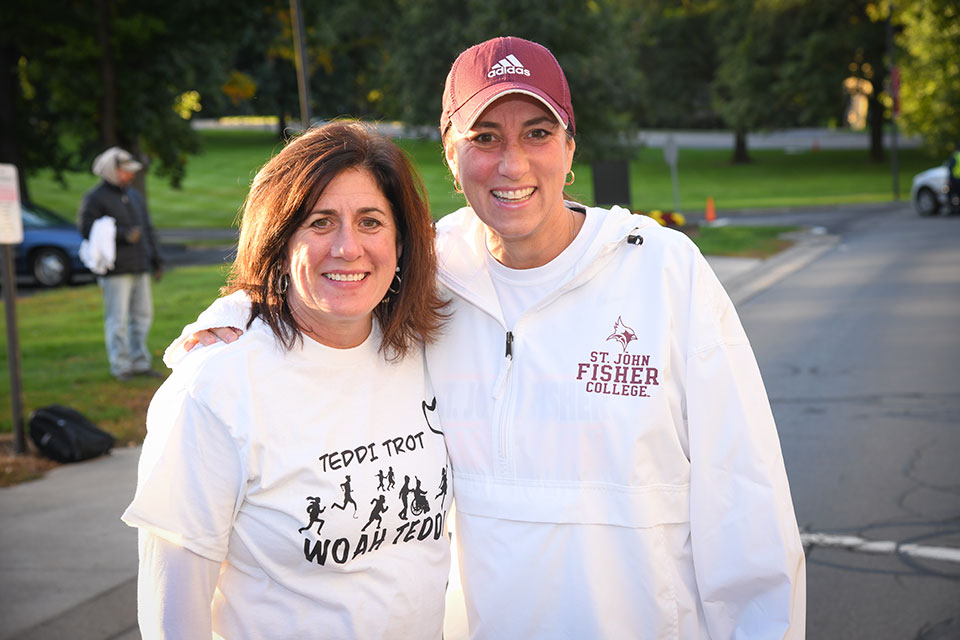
(404, 495)
(314, 511)
(391, 481)
(379, 507)
(443, 486)
(347, 498)
(381, 478)
(420, 504)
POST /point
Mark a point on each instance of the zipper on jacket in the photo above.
(501, 394)
(505, 369)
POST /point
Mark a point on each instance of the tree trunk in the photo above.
(9, 89)
(109, 135)
(108, 76)
(875, 121)
(282, 108)
(140, 181)
(740, 154)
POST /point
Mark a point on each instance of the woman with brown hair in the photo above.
(247, 446)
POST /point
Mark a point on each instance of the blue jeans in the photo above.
(127, 314)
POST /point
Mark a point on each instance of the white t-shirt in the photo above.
(520, 289)
(317, 476)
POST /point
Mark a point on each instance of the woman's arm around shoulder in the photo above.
(224, 316)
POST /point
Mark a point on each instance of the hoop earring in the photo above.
(282, 283)
(573, 177)
(456, 185)
(395, 288)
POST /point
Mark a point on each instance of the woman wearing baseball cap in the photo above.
(617, 470)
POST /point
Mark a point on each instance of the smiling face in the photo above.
(342, 259)
(512, 165)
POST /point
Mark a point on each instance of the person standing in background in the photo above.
(127, 299)
(953, 181)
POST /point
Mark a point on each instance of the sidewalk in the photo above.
(68, 565)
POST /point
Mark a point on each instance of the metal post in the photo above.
(670, 155)
(894, 84)
(300, 58)
(894, 161)
(13, 346)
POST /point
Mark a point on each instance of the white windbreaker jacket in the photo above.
(617, 468)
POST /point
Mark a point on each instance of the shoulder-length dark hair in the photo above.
(281, 197)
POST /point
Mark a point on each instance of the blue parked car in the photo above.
(49, 253)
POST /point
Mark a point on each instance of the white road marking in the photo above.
(856, 543)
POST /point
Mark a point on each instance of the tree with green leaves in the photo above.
(826, 42)
(344, 50)
(783, 63)
(590, 40)
(677, 56)
(930, 72)
(750, 54)
(115, 72)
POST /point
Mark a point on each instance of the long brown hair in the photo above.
(282, 196)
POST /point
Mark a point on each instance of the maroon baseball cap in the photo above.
(492, 69)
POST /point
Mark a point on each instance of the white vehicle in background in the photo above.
(929, 191)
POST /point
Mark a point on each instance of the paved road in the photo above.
(796, 139)
(860, 353)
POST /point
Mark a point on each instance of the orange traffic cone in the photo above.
(711, 214)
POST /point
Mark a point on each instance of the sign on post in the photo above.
(670, 155)
(11, 233)
(11, 224)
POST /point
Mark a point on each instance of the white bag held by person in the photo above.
(99, 252)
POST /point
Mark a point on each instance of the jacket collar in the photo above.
(461, 249)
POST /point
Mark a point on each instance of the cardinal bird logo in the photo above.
(622, 334)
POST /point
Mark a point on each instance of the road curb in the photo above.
(810, 246)
(864, 208)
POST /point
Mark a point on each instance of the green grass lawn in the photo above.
(217, 180)
(210, 196)
(62, 353)
(748, 242)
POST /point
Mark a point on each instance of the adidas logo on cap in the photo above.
(510, 64)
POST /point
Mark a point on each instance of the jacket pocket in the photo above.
(572, 503)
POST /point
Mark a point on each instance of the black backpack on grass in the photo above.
(66, 435)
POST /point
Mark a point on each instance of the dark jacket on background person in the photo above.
(136, 242)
